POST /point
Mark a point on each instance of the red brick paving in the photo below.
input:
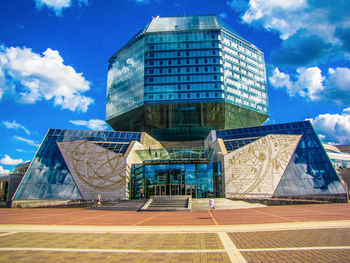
(312, 256)
(77, 216)
(292, 238)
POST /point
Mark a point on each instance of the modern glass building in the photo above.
(194, 95)
(181, 77)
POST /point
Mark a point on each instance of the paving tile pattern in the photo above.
(312, 256)
(292, 238)
(172, 241)
(48, 257)
(77, 216)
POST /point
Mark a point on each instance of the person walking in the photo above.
(211, 204)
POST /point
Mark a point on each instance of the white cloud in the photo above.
(93, 124)
(28, 141)
(289, 16)
(311, 84)
(4, 171)
(334, 128)
(57, 5)
(311, 30)
(223, 15)
(32, 78)
(7, 160)
(16, 126)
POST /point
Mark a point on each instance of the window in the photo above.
(187, 45)
(213, 52)
(178, 61)
(215, 77)
(187, 53)
(160, 71)
(151, 63)
(169, 70)
(178, 70)
(151, 71)
(187, 62)
(161, 63)
(207, 94)
(214, 60)
(178, 78)
(213, 44)
(151, 47)
(214, 68)
(198, 95)
(212, 36)
(187, 69)
(188, 95)
(150, 79)
(178, 54)
(188, 77)
(206, 69)
(179, 96)
(150, 97)
(161, 96)
(196, 61)
(186, 37)
(205, 61)
(169, 62)
(179, 87)
(197, 69)
(151, 55)
(188, 86)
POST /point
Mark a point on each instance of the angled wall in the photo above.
(255, 169)
(95, 170)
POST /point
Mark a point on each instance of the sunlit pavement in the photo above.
(304, 233)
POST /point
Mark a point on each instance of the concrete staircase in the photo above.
(221, 204)
(168, 203)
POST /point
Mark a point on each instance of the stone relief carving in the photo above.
(95, 169)
(255, 170)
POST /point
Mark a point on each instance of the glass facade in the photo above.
(48, 176)
(174, 79)
(125, 80)
(309, 173)
(199, 179)
(244, 71)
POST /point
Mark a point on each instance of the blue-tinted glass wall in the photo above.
(125, 85)
(183, 67)
(244, 71)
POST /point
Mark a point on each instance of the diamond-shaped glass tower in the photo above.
(181, 77)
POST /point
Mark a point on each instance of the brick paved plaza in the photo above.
(304, 233)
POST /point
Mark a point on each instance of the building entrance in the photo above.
(176, 189)
(199, 180)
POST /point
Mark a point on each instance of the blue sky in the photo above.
(53, 61)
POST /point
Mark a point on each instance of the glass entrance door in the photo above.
(191, 189)
(160, 189)
(169, 189)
